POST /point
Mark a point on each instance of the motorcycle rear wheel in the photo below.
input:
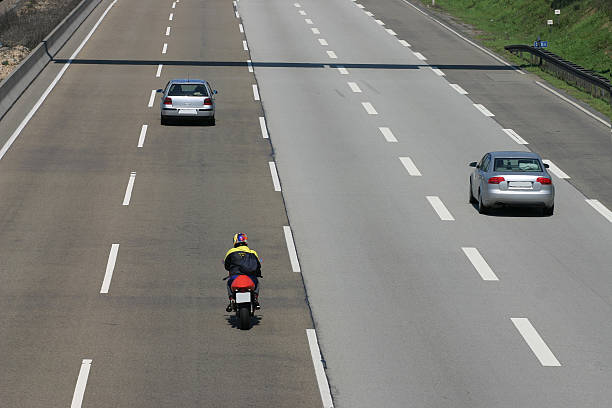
(244, 317)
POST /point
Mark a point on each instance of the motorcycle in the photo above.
(243, 301)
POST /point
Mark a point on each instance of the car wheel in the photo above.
(548, 211)
(472, 200)
(212, 121)
(482, 209)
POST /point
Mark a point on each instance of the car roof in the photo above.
(515, 154)
(187, 81)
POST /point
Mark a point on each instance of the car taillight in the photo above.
(207, 101)
(167, 101)
(496, 180)
(544, 180)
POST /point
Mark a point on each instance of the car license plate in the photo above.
(188, 112)
(519, 184)
(243, 297)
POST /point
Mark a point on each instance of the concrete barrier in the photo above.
(13, 86)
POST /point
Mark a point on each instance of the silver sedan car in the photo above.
(187, 98)
(511, 178)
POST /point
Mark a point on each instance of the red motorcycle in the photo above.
(243, 301)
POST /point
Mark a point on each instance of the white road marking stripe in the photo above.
(485, 271)
(236, 13)
(255, 92)
(302, 12)
(515, 136)
(600, 208)
(171, 16)
(143, 134)
(360, 5)
(315, 30)
(483, 110)
(241, 28)
(308, 21)
(264, 127)
(410, 166)
(297, 5)
(342, 70)
(574, 104)
(390, 31)
(275, 179)
(420, 56)
(129, 188)
(168, 30)
(152, 98)
(159, 69)
(369, 108)
(438, 71)
(535, 342)
(165, 48)
(235, 3)
(379, 22)
(317, 360)
(250, 65)
(295, 264)
(354, 87)
(369, 14)
(556, 170)
(174, 5)
(458, 89)
(42, 98)
(404, 43)
(440, 208)
(244, 45)
(79, 389)
(331, 54)
(323, 41)
(110, 267)
(388, 134)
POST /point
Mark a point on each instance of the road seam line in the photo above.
(535, 342)
(129, 188)
(295, 263)
(479, 263)
(317, 361)
(79, 389)
(110, 268)
(440, 208)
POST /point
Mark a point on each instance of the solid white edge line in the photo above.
(479, 263)
(574, 104)
(129, 188)
(255, 92)
(143, 134)
(459, 89)
(79, 389)
(410, 167)
(440, 208)
(245, 45)
(388, 134)
(600, 208)
(515, 136)
(110, 268)
(317, 361)
(275, 179)
(535, 342)
(152, 98)
(159, 70)
(264, 127)
(483, 110)
(342, 70)
(168, 30)
(554, 169)
(295, 263)
(332, 55)
(354, 87)
(250, 65)
(42, 98)
(369, 108)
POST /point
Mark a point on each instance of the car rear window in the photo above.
(517, 165)
(187, 90)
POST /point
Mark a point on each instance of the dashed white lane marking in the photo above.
(369, 14)
(263, 127)
(379, 22)
(342, 70)
(515, 136)
(482, 267)
(483, 110)
(171, 16)
(236, 13)
(315, 30)
(174, 5)
(245, 45)
(164, 48)
(354, 87)
(143, 135)
(440, 208)
(535, 342)
(404, 43)
(159, 69)
(152, 98)
(250, 65)
(295, 264)
(317, 360)
(241, 28)
(420, 56)
(129, 188)
(390, 31)
(389, 136)
(438, 71)
(79, 389)
(458, 89)
(302, 12)
(297, 5)
(360, 5)
(332, 54)
(552, 167)
(410, 166)
(574, 104)
(45, 94)
(255, 92)
(369, 108)
(323, 41)
(600, 208)
(110, 267)
(308, 21)
(168, 30)
(275, 179)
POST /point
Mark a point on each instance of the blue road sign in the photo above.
(540, 44)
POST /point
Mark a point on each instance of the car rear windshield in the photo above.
(187, 90)
(517, 165)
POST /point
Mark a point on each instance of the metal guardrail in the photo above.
(576, 75)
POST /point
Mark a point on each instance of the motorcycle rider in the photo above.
(241, 260)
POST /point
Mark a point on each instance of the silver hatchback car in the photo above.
(511, 178)
(187, 98)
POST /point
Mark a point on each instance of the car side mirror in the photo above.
(546, 166)
(215, 92)
(159, 90)
(473, 164)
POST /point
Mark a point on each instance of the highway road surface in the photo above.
(341, 147)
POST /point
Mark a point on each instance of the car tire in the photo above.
(211, 121)
(472, 200)
(548, 211)
(482, 209)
